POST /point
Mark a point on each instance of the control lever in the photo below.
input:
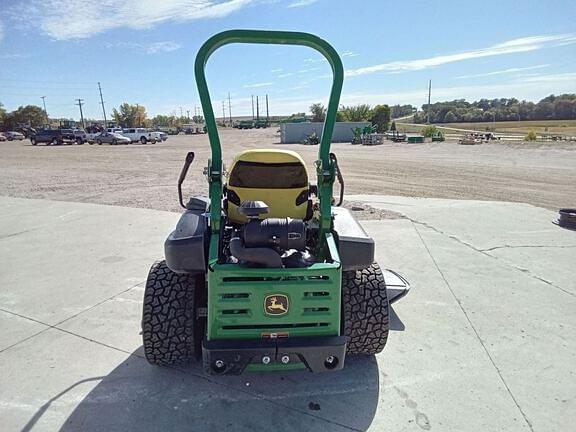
(334, 160)
(189, 159)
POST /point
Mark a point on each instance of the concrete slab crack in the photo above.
(485, 252)
(526, 246)
(459, 302)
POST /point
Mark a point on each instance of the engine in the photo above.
(272, 242)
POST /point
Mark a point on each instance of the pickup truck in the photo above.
(143, 135)
(53, 136)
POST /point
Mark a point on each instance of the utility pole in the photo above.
(181, 113)
(102, 103)
(137, 115)
(81, 115)
(229, 109)
(188, 115)
(224, 113)
(257, 109)
(44, 103)
(267, 113)
(429, 94)
(252, 107)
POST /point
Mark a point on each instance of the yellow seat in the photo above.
(277, 177)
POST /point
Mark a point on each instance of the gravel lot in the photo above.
(145, 175)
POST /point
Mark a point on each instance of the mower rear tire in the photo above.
(169, 316)
(365, 310)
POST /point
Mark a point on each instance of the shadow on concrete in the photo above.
(396, 323)
(136, 396)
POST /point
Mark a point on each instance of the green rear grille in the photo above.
(236, 301)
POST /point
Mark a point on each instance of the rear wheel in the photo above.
(365, 310)
(170, 331)
(114, 142)
(99, 142)
(32, 141)
(79, 141)
(143, 140)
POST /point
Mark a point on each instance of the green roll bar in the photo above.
(324, 164)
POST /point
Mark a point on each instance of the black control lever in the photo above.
(334, 160)
(187, 162)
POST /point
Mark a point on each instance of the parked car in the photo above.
(114, 130)
(111, 138)
(163, 136)
(2, 137)
(141, 134)
(80, 136)
(53, 136)
(13, 135)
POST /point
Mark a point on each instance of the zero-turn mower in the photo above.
(268, 273)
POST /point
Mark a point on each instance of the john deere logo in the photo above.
(276, 304)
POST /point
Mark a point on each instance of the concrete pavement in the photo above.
(483, 342)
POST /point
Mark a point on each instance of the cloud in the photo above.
(76, 19)
(502, 72)
(146, 48)
(551, 78)
(349, 54)
(1, 31)
(262, 84)
(285, 75)
(525, 44)
(277, 70)
(301, 3)
(14, 56)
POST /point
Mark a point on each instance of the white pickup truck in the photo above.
(143, 135)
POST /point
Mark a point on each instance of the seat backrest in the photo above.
(277, 177)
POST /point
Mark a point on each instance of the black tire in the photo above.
(32, 141)
(143, 140)
(169, 331)
(365, 310)
(114, 142)
(99, 142)
(79, 141)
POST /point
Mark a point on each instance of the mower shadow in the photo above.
(136, 396)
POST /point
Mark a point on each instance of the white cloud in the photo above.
(256, 85)
(349, 54)
(277, 70)
(1, 31)
(502, 72)
(285, 75)
(552, 78)
(301, 3)
(72, 19)
(526, 44)
(146, 48)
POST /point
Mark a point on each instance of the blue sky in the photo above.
(142, 51)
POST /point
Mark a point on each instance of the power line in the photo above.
(81, 114)
(102, 103)
(229, 108)
(44, 103)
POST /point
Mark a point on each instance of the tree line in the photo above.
(562, 107)
(127, 115)
(379, 115)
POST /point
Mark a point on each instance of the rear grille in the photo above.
(236, 301)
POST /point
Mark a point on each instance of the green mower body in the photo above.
(250, 285)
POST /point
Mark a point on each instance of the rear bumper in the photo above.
(236, 355)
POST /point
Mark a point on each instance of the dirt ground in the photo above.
(145, 175)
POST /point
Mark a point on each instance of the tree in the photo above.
(450, 117)
(381, 118)
(30, 115)
(356, 113)
(130, 115)
(393, 126)
(318, 112)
